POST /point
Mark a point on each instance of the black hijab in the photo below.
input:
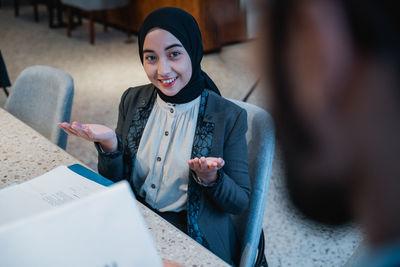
(184, 27)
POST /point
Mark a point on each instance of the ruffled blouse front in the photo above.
(161, 165)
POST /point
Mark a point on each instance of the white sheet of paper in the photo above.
(103, 229)
(54, 188)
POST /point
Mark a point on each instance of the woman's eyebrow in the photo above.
(148, 51)
(173, 45)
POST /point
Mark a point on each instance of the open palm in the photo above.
(92, 132)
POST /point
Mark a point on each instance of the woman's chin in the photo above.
(169, 91)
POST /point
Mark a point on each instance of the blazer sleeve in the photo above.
(231, 192)
(111, 165)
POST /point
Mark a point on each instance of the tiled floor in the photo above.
(103, 71)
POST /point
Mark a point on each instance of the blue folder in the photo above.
(89, 174)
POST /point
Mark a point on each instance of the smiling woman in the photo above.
(166, 62)
(180, 144)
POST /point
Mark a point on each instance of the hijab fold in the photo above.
(184, 27)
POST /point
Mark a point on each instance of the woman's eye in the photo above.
(150, 58)
(174, 54)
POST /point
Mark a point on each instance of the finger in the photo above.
(211, 163)
(61, 125)
(75, 131)
(88, 131)
(77, 124)
(64, 124)
(220, 163)
(77, 127)
(190, 163)
(212, 166)
(197, 164)
(67, 130)
(212, 158)
(203, 163)
(88, 134)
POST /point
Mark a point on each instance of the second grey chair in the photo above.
(41, 97)
(260, 139)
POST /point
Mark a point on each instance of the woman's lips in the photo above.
(168, 82)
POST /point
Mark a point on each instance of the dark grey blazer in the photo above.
(220, 132)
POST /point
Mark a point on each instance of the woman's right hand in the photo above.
(94, 133)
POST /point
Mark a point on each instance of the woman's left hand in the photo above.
(206, 168)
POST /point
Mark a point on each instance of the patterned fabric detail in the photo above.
(139, 120)
(201, 148)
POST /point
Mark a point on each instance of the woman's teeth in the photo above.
(168, 81)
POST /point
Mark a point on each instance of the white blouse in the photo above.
(161, 167)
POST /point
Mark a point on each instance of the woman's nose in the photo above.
(163, 67)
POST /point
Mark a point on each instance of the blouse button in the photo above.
(153, 186)
(166, 133)
(158, 159)
(171, 110)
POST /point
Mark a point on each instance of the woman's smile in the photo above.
(168, 82)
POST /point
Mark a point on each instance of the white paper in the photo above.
(103, 229)
(54, 188)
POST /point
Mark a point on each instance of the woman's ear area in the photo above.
(321, 61)
(319, 58)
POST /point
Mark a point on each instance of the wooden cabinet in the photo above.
(220, 21)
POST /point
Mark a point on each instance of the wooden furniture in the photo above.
(221, 22)
(25, 154)
(52, 5)
(92, 7)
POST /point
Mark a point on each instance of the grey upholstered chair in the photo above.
(261, 146)
(91, 6)
(41, 97)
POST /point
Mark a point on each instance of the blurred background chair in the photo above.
(41, 97)
(261, 147)
(91, 7)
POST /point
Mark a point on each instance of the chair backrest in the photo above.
(261, 147)
(41, 97)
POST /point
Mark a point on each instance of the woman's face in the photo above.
(166, 62)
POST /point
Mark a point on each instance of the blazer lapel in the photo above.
(139, 120)
(201, 148)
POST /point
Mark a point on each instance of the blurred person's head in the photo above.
(334, 72)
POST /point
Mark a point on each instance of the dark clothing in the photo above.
(220, 132)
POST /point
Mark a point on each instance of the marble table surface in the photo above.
(25, 154)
